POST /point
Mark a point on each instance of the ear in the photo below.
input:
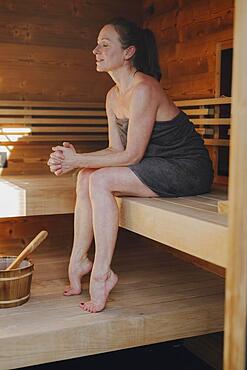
(129, 52)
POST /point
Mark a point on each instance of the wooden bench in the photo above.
(47, 122)
(159, 297)
(190, 224)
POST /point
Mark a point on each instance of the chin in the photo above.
(100, 69)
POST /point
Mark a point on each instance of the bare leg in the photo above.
(104, 183)
(79, 264)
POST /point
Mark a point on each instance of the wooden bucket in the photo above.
(15, 285)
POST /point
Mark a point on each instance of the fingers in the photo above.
(66, 144)
(58, 172)
(57, 156)
(55, 168)
(54, 162)
(58, 148)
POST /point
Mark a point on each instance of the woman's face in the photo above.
(109, 53)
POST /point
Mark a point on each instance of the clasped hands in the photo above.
(62, 159)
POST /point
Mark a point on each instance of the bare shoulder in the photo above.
(148, 89)
(111, 101)
(110, 96)
(145, 84)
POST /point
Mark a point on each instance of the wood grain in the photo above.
(187, 34)
(236, 283)
(158, 298)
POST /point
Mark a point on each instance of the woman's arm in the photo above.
(143, 108)
(115, 144)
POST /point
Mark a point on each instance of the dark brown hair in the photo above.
(146, 58)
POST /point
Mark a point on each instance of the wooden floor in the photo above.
(158, 298)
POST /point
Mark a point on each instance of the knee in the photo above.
(82, 184)
(98, 183)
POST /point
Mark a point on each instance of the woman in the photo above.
(153, 151)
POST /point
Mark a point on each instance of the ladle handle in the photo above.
(29, 249)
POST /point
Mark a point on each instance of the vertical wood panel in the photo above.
(236, 281)
(187, 32)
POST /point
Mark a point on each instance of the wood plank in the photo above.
(204, 131)
(47, 121)
(155, 304)
(36, 195)
(199, 111)
(6, 139)
(51, 130)
(180, 227)
(236, 283)
(223, 206)
(54, 104)
(219, 142)
(211, 101)
(211, 121)
(51, 112)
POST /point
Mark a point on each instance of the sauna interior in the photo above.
(171, 285)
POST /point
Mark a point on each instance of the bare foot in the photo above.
(99, 291)
(76, 272)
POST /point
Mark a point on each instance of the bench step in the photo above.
(159, 298)
(189, 224)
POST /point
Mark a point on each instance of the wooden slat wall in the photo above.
(29, 129)
(187, 32)
(46, 55)
(31, 158)
(46, 48)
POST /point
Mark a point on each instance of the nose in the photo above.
(95, 50)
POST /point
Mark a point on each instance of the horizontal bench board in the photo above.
(51, 112)
(211, 121)
(53, 130)
(62, 104)
(198, 111)
(188, 228)
(50, 121)
(6, 139)
(201, 102)
(219, 142)
(190, 224)
(36, 195)
(158, 298)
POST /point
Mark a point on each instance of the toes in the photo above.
(84, 306)
(71, 291)
(88, 306)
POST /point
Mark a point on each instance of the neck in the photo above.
(123, 78)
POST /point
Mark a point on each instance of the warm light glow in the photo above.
(20, 130)
(13, 134)
(11, 138)
(12, 199)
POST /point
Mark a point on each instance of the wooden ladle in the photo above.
(28, 249)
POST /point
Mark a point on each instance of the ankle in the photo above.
(78, 259)
(101, 276)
